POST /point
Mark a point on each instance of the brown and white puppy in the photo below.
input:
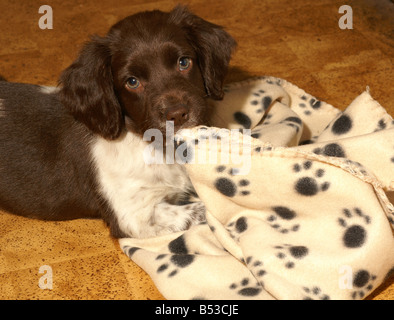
(77, 150)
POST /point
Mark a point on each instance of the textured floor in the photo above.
(299, 41)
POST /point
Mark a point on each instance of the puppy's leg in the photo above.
(149, 219)
(169, 218)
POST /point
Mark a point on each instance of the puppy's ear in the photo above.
(213, 46)
(87, 90)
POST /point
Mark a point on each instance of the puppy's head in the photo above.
(151, 67)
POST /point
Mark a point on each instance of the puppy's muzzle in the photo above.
(179, 114)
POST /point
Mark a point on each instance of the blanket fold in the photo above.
(296, 200)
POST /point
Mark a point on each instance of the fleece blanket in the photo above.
(296, 193)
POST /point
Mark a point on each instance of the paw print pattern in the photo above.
(314, 293)
(261, 100)
(354, 222)
(266, 119)
(331, 150)
(293, 122)
(237, 227)
(310, 185)
(309, 105)
(392, 159)
(172, 262)
(381, 125)
(228, 186)
(129, 251)
(246, 288)
(256, 266)
(363, 281)
(255, 133)
(282, 217)
(242, 119)
(342, 125)
(296, 252)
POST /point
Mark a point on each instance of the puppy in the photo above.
(76, 151)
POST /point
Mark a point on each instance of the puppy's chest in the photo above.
(123, 172)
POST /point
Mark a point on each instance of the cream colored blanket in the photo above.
(298, 211)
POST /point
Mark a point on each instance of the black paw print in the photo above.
(237, 227)
(277, 82)
(244, 288)
(256, 266)
(296, 252)
(242, 119)
(315, 293)
(228, 187)
(282, 216)
(363, 281)
(381, 125)
(261, 100)
(256, 133)
(307, 105)
(392, 159)
(180, 258)
(173, 262)
(355, 234)
(310, 186)
(342, 125)
(293, 122)
(129, 251)
(266, 120)
(331, 150)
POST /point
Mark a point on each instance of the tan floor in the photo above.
(296, 40)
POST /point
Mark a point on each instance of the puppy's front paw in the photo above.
(173, 218)
(197, 214)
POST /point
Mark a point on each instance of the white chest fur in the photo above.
(131, 186)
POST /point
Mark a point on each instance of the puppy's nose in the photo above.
(178, 114)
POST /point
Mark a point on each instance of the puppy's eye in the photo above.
(132, 83)
(184, 63)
